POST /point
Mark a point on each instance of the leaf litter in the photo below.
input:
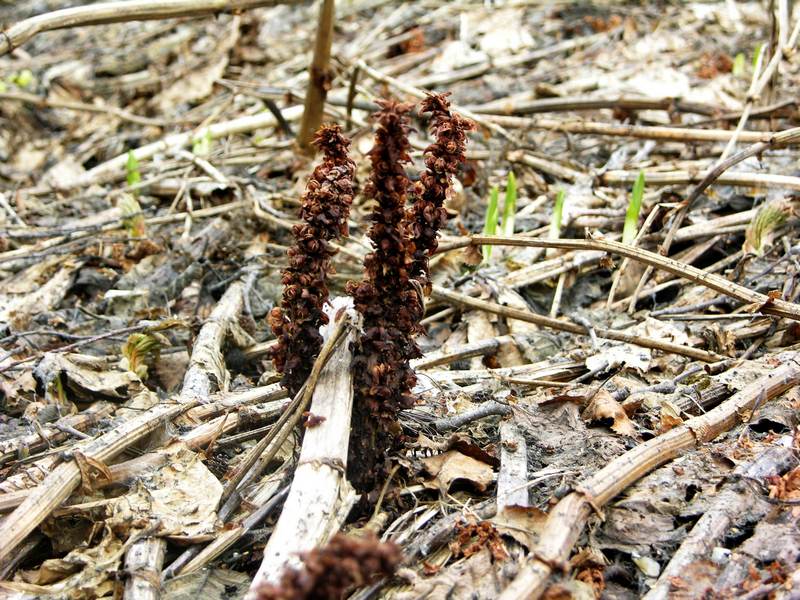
(143, 287)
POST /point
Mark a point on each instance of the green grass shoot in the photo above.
(490, 224)
(738, 65)
(757, 54)
(133, 174)
(634, 207)
(510, 205)
(202, 144)
(558, 212)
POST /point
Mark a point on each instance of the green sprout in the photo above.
(757, 54)
(22, 79)
(634, 206)
(558, 212)
(490, 225)
(132, 217)
(738, 65)
(138, 350)
(202, 144)
(510, 205)
(133, 175)
(759, 232)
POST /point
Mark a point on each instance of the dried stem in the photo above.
(566, 519)
(319, 79)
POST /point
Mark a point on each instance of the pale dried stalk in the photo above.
(257, 459)
(46, 436)
(42, 102)
(727, 505)
(530, 317)
(470, 350)
(120, 473)
(66, 477)
(685, 177)
(320, 496)
(567, 518)
(114, 168)
(779, 308)
(143, 562)
(717, 173)
(318, 79)
(513, 475)
(118, 12)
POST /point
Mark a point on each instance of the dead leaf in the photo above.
(670, 416)
(523, 523)
(83, 573)
(605, 409)
(181, 497)
(94, 474)
(86, 376)
(454, 466)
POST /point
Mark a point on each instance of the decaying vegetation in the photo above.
(526, 327)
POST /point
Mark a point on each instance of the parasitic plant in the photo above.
(443, 158)
(325, 209)
(390, 301)
(335, 570)
(391, 295)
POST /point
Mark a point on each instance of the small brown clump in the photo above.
(333, 571)
(324, 210)
(443, 158)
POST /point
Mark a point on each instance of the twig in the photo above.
(118, 12)
(120, 113)
(647, 132)
(717, 173)
(486, 409)
(523, 315)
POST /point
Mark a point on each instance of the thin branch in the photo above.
(118, 12)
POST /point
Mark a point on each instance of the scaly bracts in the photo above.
(442, 159)
(324, 210)
(389, 299)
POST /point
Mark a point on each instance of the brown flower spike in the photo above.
(324, 210)
(388, 298)
(331, 572)
(442, 159)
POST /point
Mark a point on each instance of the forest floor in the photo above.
(586, 426)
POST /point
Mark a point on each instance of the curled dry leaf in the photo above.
(523, 523)
(454, 466)
(604, 409)
(83, 573)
